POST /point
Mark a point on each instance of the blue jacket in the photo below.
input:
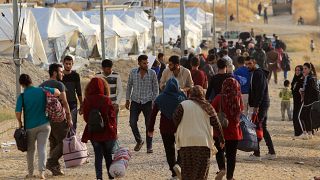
(244, 72)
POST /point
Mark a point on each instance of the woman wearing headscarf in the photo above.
(231, 104)
(194, 119)
(167, 102)
(296, 84)
(97, 97)
(309, 94)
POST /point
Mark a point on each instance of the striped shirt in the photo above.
(115, 85)
(142, 90)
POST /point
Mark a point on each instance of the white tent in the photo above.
(56, 32)
(30, 41)
(90, 34)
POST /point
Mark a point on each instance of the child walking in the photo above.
(285, 95)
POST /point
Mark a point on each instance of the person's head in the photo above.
(286, 83)
(25, 80)
(172, 86)
(240, 61)
(250, 63)
(107, 66)
(55, 71)
(238, 52)
(222, 64)
(197, 92)
(186, 52)
(174, 63)
(97, 86)
(195, 62)
(245, 54)
(178, 36)
(67, 63)
(211, 59)
(212, 51)
(298, 70)
(308, 69)
(143, 62)
(311, 40)
(161, 57)
(224, 52)
(232, 96)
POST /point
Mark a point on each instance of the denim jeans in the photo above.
(74, 113)
(102, 149)
(263, 117)
(135, 110)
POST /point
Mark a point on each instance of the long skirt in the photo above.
(195, 162)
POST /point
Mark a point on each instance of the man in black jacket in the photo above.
(259, 100)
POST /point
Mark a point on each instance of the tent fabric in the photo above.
(31, 41)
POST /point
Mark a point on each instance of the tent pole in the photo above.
(153, 38)
(102, 30)
(16, 35)
(163, 48)
(213, 24)
(182, 26)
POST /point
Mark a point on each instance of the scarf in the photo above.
(231, 93)
(170, 98)
(197, 95)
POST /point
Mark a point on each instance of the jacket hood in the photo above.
(95, 87)
(172, 86)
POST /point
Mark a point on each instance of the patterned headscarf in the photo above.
(232, 96)
(197, 95)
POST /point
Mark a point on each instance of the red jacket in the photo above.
(233, 131)
(94, 98)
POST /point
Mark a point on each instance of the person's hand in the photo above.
(20, 124)
(127, 104)
(221, 145)
(150, 133)
(70, 123)
(256, 110)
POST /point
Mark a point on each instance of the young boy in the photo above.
(286, 94)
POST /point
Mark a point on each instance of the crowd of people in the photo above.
(191, 92)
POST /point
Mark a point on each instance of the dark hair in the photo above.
(54, 68)
(195, 61)
(212, 51)
(286, 83)
(241, 60)
(221, 63)
(224, 52)
(25, 80)
(211, 57)
(107, 63)
(311, 67)
(174, 59)
(185, 52)
(300, 67)
(142, 57)
(160, 55)
(248, 58)
(67, 58)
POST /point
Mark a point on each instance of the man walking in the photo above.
(272, 61)
(182, 74)
(265, 15)
(259, 100)
(71, 80)
(142, 90)
(59, 130)
(163, 65)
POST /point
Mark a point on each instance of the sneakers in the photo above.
(177, 170)
(138, 146)
(302, 136)
(174, 178)
(149, 151)
(271, 156)
(220, 175)
(253, 158)
(56, 171)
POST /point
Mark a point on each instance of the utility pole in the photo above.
(182, 26)
(213, 24)
(226, 16)
(102, 30)
(153, 38)
(163, 48)
(16, 35)
(237, 10)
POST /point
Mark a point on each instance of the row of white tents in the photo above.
(49, 33)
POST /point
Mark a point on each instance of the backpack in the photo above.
(54, 109)
(96, 123)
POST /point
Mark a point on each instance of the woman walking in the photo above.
(194, 119)
(231, 104)
(167, 102)
(296, 84)
(32, 102)
(309, 94)
(97, 98)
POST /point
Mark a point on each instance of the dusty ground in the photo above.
(153, 166)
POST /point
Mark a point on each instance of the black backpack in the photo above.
(96, 123)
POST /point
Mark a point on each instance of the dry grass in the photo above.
(306, 9)
(6, 114)
(298, 43)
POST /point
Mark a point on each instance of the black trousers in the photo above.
(263, 117)
(169, 146)
(229, 152)
(305, 119)
(296, 125)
